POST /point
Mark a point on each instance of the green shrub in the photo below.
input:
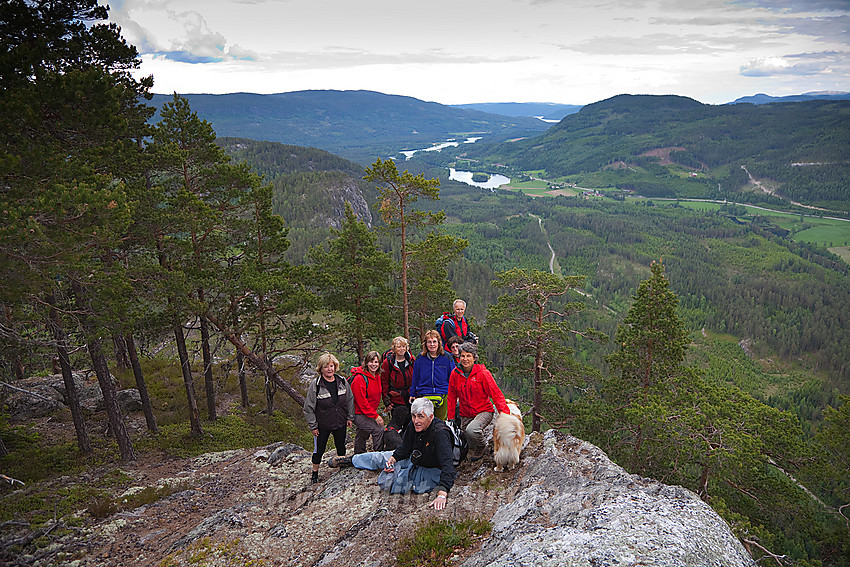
(436, 540)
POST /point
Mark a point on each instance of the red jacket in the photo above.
(395, 384)
(366, 388)
(474, 393)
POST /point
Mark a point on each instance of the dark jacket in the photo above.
(395, 384)
(451, 327)
(435, 450)
(321, 412)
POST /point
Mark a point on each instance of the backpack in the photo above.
(358, 373)
(461, 447)
(438, 324)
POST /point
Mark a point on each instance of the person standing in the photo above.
(473, 388)
(366, 387)
(431, 374)
(456, 324)
(328, 409)
(396, 379)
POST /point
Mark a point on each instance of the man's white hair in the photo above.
(422, 405)
(456, 301)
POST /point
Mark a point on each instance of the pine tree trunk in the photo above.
(104, 379)
(243, 382)
(209, 385)
(113, 411)
(270, 390)
(189, 382)
(240, 364)
(257, 361)
(122, 359)
(133, 355)
(14, 357)
(3, 450)
(68, 377)
(538, 389)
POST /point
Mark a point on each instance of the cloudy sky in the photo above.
(465, 51)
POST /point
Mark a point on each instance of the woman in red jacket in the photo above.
(366, 386)
(474, 388)
(396, 378)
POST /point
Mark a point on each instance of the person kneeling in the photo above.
(422, 463)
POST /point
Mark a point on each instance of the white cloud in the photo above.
(568, 51)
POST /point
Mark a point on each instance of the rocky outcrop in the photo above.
(339, 192)
(573, 506)
(566, 504)
(40, 396)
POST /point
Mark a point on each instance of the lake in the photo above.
(466, 177)
(462, 176)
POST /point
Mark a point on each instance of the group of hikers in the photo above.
(415, 450)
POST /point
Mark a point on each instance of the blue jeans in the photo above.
(405, 478)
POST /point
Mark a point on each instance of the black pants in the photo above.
(320, 443)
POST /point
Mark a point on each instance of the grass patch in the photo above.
(533, 184)
(106, 506)
(436, 540)
(44, 501)
(825, 233)
(842, 252)
(33, 459)
(226, 433)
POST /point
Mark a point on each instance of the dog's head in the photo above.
(514, 408)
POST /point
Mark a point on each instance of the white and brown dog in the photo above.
(508, 438)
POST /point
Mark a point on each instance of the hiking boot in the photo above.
(476, 456)
(315, 478)
(339, 462)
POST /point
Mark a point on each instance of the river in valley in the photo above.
(437, 147)
(457, 175)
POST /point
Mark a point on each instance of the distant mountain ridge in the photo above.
(762, 98)
(357, 125)
(544, 110)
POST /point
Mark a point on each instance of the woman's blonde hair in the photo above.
(400, 341)
(432, 334)
(324, 359)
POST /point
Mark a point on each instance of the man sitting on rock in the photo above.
(421, 464)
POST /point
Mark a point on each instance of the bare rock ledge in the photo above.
(566, 504)
(575, 507)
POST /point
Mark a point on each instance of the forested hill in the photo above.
(666, 146)
(309, 188)
(358, 125)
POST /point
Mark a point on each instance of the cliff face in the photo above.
(566, 504)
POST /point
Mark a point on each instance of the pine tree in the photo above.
(428, 276)
(652, 337)
(535, 332)
(353, 276)
(397, 194)
(71, 120)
